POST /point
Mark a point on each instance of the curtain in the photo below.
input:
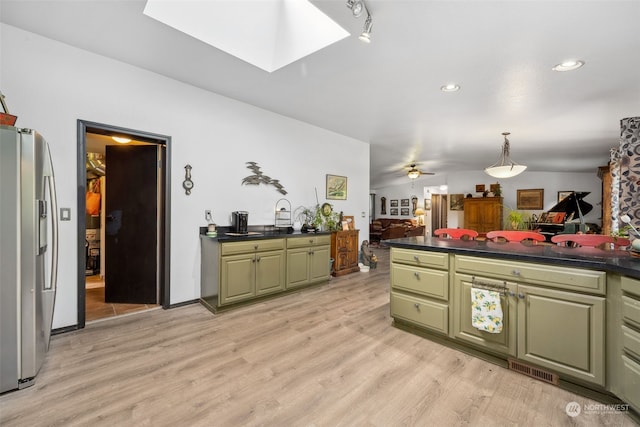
(625, 171)
(438, 211)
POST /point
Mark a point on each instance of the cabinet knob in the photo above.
(255, 247)
(512, 294)
(416, 305)
(415, 273)
(515, 272)
(258, 259)
(311, 252)
(520, 295)
(311, 241)
(416, 258)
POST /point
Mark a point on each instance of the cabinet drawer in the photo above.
(420, 258)
(547, 275)
(425, 281)
(631, 382)
(631, 341)
(310, 240)
(631, 286)
(631, 310)
(232, 248)
(429, 314)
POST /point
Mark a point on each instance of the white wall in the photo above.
(50, 85)
(465, 183)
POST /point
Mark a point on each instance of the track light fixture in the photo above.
(366, 34)
(357, 8)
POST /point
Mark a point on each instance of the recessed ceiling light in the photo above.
(570, 65)
(451, 87)
(121, 140)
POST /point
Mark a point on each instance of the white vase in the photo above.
(297, 226)
(636, 245)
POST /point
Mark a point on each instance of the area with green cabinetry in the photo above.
(570, 316)
(242, 270)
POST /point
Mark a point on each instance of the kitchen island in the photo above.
(569, 316)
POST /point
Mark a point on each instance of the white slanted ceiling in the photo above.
(266, 33)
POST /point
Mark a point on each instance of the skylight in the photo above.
(266, 33)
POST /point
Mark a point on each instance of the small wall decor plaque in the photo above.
(260, 178)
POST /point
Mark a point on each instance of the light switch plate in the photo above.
(65, 214)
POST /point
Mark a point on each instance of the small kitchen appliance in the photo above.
(240, 222)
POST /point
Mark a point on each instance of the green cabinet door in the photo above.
(503, 342)
(307, 265)
(319, 264)
(562, 331)
(297, 267)
(270, 272)
(237, 278)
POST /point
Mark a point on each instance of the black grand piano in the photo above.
(566, 217)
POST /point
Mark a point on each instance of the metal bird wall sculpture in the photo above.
(260, 178)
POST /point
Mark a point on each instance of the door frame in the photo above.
(84, 126)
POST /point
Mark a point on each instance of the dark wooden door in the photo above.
(131, 243)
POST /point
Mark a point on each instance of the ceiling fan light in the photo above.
(505, 167)
(413, 173)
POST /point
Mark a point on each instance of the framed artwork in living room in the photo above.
(530, 199)
(336, 187)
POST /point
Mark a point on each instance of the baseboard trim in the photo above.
(183, 303)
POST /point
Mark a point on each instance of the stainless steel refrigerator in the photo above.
(28, 255)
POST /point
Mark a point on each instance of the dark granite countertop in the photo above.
(256, 234)
(621, 262)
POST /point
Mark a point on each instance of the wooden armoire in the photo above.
(483, 214)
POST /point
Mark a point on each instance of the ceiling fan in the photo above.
(414, 172)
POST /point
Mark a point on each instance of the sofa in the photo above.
(393, 228)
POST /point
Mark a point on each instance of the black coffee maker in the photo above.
(240, 222)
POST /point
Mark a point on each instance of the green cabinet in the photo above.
(307, 260)
(562, 331)
(503, 343)
(249, 270)
(630, 332)
(559, 330)
(420, 289)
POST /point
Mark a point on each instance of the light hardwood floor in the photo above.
(325, 356)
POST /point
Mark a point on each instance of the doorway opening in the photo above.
(123, 221)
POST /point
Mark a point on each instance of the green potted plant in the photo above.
(517, 219)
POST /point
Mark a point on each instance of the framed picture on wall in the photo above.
(456, 202)
(393, 211)
(350, 221)
(427, 204)
(336, 187)
(479, 188)
(530, 199)
(404, 211)
(404, 202)
(563, 194)
(394, 203)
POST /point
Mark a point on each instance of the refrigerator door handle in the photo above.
(54, 233)
(49, 291)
